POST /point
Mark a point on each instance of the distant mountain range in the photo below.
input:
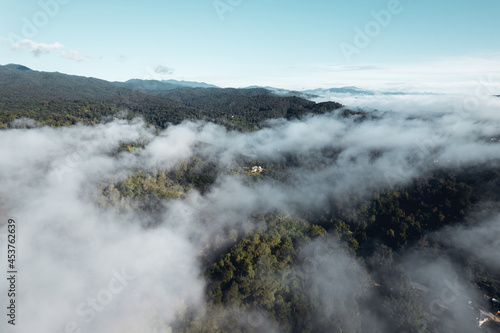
(350, 90)
(148, 85)
(156, 86)
(342, 90)
(359, 91)
(190, 84)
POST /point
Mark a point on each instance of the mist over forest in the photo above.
(251, 211)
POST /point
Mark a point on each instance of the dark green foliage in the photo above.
(54, 113)
(397, 217)
(254, 274)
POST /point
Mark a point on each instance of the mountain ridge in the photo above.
(59, 99)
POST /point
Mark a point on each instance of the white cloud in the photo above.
(160, 69)
(35, 48)
(75, 55)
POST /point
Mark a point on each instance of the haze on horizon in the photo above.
(400, 45)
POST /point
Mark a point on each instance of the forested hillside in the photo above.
(56, 99)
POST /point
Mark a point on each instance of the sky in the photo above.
(401, 45)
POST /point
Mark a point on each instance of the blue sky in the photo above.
(424, 45)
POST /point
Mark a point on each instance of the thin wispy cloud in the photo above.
(38, 49)
(160, 69)
(75, 55)
(357, 68)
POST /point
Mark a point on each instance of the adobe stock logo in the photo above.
(88, 310)
(73, 160)
(363, 37)
(31, 26)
